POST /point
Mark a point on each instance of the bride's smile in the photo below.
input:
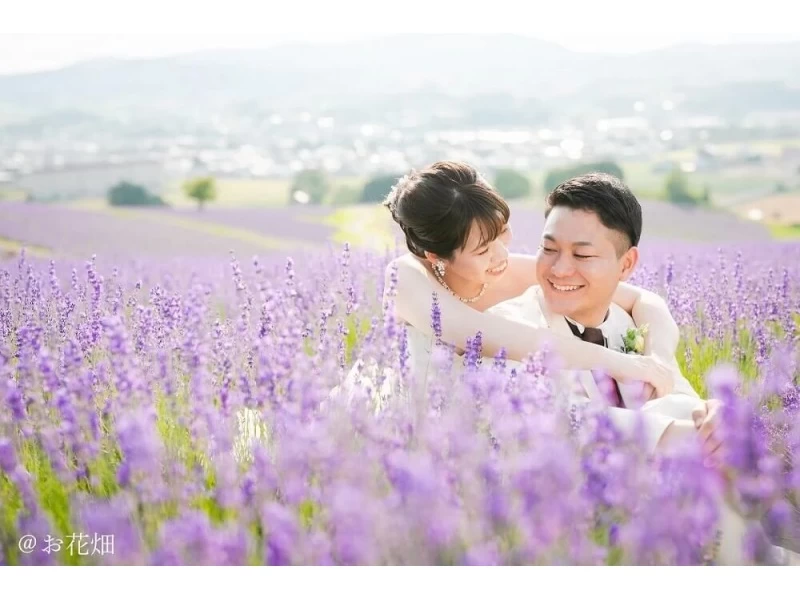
(499, 269)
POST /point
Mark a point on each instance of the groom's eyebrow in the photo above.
(581, 243)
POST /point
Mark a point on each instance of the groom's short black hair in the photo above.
(605, 195)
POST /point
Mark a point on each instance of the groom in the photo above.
(589, 245)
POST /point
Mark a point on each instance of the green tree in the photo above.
(676, 189)
(558, 175)
(345, 194)
(201, 189)
(309, 186)
(378, 187)
(512, 184)
(129, 194)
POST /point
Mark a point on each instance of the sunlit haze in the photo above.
(43, 35)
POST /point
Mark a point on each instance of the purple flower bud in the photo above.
(8, 458)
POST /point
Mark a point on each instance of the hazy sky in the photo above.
(38, 34)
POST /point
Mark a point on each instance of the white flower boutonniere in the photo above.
(633, 340)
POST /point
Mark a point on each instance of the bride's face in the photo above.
(481, 262)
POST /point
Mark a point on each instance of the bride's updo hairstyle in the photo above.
(436, 207)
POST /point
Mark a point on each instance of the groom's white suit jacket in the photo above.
(656, 414)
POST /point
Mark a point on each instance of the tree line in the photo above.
(314, 187)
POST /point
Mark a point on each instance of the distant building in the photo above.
(75, 181)
(791, 156)
(772, 119)
(780, 208)
(706, 159)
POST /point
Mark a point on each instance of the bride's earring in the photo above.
(438, 266)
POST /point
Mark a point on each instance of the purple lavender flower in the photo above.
(436, 318)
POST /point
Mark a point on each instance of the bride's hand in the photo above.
(648, 369)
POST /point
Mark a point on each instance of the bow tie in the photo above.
(590, 335)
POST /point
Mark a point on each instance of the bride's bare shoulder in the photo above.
(406, 261)
(408, 269)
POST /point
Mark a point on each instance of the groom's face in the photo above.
(580, 263)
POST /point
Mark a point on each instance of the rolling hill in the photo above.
(362, 72)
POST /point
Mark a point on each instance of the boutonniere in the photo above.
(633, 340)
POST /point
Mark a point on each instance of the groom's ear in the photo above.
(629, 260)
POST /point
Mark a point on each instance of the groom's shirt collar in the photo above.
(602, 326)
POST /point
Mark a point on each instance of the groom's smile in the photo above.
(562, 288)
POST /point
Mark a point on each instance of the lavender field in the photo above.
(77, 232)
(192, 411)
(60, 230)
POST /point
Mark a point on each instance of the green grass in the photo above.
(365, 225)
(785, 232)
(10, 248)
(236, 192)
(11, 194)
(741, 350)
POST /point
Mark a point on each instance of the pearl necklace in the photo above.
(459, 297)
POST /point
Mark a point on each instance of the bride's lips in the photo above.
(497, 270)
(565, 288)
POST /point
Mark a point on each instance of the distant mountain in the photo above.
(457, 64)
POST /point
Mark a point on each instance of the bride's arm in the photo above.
(646, 307)
(413, 303)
